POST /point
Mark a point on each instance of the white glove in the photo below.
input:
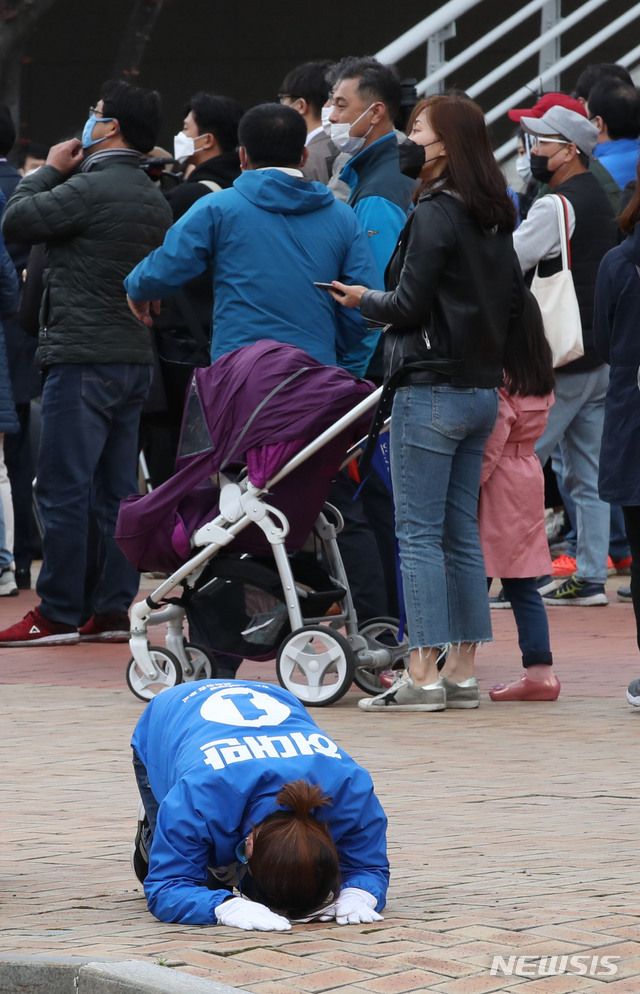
(250, 915)
(354, 906)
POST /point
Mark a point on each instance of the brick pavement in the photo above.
(513, 829)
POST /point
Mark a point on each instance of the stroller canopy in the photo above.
(257, 406)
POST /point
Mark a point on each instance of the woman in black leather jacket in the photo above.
(447, 305)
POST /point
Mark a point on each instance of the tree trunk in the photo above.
(135, 36)
(17, 19)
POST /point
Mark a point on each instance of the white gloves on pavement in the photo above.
(250, 915)
(355, 906)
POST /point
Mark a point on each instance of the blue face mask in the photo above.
(87, 131)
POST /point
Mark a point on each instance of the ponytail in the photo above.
(302, 798)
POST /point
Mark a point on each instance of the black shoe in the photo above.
(576, 593)
(23, 579)
(624, 594)
(139, 854)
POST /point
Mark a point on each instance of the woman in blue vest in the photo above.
(242, 792)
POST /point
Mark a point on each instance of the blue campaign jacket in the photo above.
(380, 197)
(217, 753)
(620, 159)
(269, 238)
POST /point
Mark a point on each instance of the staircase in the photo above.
(542, 45)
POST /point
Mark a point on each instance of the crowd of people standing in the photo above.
(418, 234)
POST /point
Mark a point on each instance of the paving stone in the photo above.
(512, 829)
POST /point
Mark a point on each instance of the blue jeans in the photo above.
(530, 617)
(575, 422)
(87, 463)
(147, 797)
(438, 434)
(618, 542)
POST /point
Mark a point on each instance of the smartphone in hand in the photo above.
(329, 286)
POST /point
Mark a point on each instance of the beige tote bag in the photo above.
(556, 296)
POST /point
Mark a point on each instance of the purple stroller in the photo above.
(265, 430)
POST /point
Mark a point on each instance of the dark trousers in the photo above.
(632, 525)
(531, 619)
(367, 545)
(146, 795)
(86, 465)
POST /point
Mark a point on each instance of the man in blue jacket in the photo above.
(268, 239)
(614, 108)
(242, 790)
(365, 102)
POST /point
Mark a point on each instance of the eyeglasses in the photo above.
(287, 96)
(94, 110)
(550, 141)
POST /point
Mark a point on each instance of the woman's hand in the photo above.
(250, 915)
(355, 906)
(348, 296)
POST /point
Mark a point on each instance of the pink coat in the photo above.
(511, 511)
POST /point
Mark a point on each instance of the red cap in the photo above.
(545, 103)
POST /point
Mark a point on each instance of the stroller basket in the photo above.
(238, 606)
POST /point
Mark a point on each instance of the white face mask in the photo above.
(523, 168)
(341, 136)
(184, 146)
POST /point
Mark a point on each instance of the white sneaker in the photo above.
(8, 585)
(405, 695)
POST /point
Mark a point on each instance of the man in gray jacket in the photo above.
(99, 215)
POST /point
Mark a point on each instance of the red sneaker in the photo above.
(620, 566)
(35, 629)
(111, 627)
(564, 566)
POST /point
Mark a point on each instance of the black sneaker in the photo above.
(23, 579)
(633, 693)
(139, 854)
(624, 594)
(576, 593)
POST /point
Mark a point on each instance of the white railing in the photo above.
(441, 25)
(421, 33)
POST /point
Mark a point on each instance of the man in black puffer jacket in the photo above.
(99, 215)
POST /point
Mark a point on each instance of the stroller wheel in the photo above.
(316, 665)
(201, 665)
(168, 674)
(380, 633)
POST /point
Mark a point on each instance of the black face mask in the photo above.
(411, 158)
(540, 168)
